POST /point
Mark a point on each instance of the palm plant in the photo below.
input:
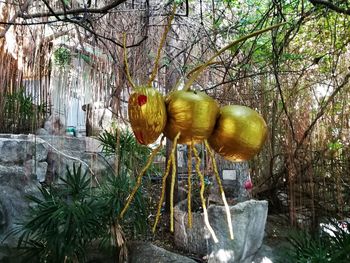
(131, 155)
(62, 221)
(332, 245)
(131, 158)
(66, 219)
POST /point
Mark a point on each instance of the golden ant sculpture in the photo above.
(189, 117)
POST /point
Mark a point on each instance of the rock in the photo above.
(264, 255)
(233, 178)
(13, 176)
(40, 149)
(248, 222)
(26, 160)
(13, 205)
(22, 165)
(42, 131)
(37, 169)
(2, 216)
(10, 151)
(195, 239)
(249, 219)
(98, 117)
(54, 125)
(65, 151)
(19, 149)
(143, 252)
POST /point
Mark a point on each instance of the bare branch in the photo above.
(324, 108)
(101, 10)
(23, 8)
(331, 6)
(51, 10)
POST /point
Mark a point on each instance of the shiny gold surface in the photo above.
(147, 114)
(239, 134)
(192, 113)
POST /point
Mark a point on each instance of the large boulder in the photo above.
(54, 125)
(266, 254)
(22, 164)
(13, 206)
(37, 169)
(16, 149)
(98, 117)
(248, 222)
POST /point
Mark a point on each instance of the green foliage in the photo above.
(20, 113)
(132, 156)
(67, 217)
(62, 56)
(335, 145)
(114, 193)
(333, 247)
(196, 199)
(62, 221)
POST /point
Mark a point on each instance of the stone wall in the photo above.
(23, 163)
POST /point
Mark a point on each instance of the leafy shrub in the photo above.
(331, 246)
(62, 221)
(131, 155)
(66, 218)
(20, 114)
(62, 56)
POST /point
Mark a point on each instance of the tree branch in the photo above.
(101, 10)
(51, 10)
(331, 6)
(23, 8)
(323, 109)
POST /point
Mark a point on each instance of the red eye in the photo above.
(142, 99)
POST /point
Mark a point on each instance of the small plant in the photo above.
(62, 57)
(196, 200)
(113, 193)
